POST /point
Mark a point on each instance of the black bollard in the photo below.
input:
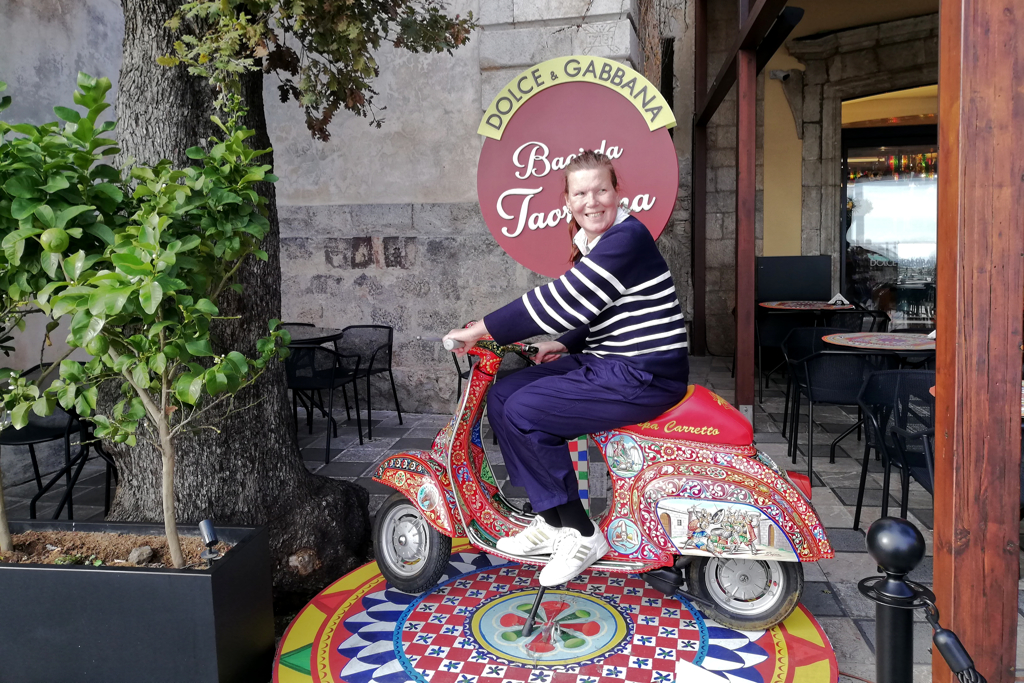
(897, 546)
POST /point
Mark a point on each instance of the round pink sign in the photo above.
(520, 178)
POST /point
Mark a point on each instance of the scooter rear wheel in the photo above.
(746, 594)
(411, 554)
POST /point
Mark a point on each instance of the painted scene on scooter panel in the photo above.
(713, 529)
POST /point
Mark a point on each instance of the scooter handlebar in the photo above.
(452, 344)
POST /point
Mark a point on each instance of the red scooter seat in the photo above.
(701, 416)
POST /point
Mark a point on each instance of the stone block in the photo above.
(725, 180)
(522, 47)
(611, 39)
(852, 40)
(811, 111)
(322, 220)
(446, 219)
(722, 158)
(810, 174)
(860, 63)
(907, 54)
(722, 202)
(399, 252)
(712, 278)
(710, 179)
(296, 249)
(496, 12)
(721, 137)
(835, 68)
(815, 73)
(381, 218)
(726, 115)
(721, 253)
(729, 225)
(812, 141)
(713, 226)
(571, 12)
(908, 29)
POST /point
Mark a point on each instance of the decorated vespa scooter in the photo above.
(694, 505)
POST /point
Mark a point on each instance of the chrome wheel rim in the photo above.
(747, 587)
(405, 540)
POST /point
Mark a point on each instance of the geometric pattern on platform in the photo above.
(467, 629)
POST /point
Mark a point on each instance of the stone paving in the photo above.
(831, 585)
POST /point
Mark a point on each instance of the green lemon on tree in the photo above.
(97, 346)
(54, 240)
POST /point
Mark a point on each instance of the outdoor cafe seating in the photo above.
(61, 425)
(372, 345)
(900, 413)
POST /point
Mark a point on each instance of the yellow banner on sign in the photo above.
(623, 80)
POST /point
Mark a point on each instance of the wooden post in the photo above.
(980, 304)
(746, 214)
(698, 342)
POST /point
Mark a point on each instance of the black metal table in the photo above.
(303, 335)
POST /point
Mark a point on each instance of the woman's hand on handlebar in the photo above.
(468, 336)
(548, 351)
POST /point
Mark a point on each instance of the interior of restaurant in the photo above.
(886, 243)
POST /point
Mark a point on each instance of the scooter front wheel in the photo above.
(411, 554)
(746, 594)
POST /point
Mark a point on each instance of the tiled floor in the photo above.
(831, 585)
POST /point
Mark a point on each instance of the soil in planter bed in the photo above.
(112, 549)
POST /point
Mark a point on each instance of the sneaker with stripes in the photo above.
(573, 552)
(536, 539)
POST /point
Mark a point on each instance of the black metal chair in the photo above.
(374, 346)
(899, 411)
(832, 378)
(314, 369)
(59, 425)
(770, 330)
(858, 321)
(800, 343)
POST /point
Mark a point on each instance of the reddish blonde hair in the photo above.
(587, 160)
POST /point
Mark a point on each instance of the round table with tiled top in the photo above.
(804, 306)
(883, 341)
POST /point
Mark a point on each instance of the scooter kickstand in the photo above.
(528, 626)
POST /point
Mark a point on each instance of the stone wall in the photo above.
(381, 225)
(723, 24)
(428, 263)
(846, 65)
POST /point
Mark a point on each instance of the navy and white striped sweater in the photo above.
(618, 302)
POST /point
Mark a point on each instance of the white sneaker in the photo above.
(536, 539)
(571, 555)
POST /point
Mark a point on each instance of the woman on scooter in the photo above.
(621, 360)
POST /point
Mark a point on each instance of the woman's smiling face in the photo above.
(593, 200)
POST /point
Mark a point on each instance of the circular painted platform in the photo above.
(604, 628)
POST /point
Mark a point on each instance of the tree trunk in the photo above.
(250, 471)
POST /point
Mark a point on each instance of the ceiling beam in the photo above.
(758, 24)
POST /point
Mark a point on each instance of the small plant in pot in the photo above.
(138, 263)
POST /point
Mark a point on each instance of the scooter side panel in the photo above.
(426, 485)
(644, 471)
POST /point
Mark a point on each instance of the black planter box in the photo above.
(119, 624)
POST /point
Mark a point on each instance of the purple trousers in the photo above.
(535, 410)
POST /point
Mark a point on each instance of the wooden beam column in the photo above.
(980, 304)
(746, 214)
(699, 184)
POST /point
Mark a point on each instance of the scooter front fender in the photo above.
(425, 483)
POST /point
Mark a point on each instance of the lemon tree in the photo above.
(139, 272)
